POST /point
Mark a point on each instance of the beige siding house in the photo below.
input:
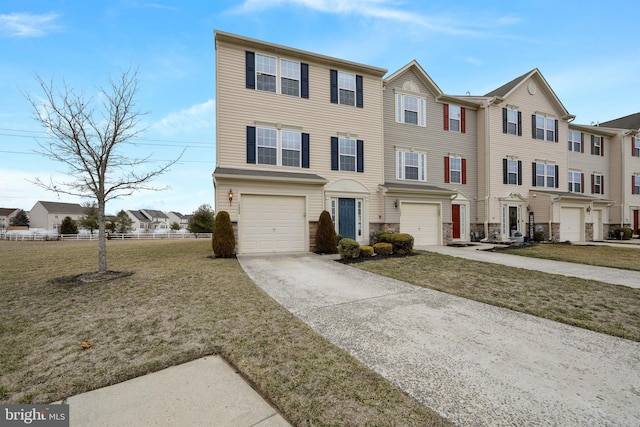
(297, 133)
(49, 215)
(430, 157)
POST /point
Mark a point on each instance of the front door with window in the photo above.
(514, 224)
(347, 218)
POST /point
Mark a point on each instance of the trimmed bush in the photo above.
(223, 239)
(384, 237)
(348, 248)
(628, 233)
(538, 236)
(366, 251)
(382, 248)
(326, 242)
(402, 243)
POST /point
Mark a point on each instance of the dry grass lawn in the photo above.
(611, 309)
(179, 305)
(603, 256)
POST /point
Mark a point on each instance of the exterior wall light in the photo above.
(230, 196)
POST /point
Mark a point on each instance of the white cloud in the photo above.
(28, 25)
(198, 119)
(18, 191)
(388, 10)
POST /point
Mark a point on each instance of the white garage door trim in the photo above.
(422, 221)
(571, 226)
(272, 223)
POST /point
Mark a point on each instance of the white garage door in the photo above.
(571, 224)
(422, 221)
(272, 224)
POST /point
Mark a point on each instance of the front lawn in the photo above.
(611, 309)
(179, 305)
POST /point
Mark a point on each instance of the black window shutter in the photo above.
(360, 155)
(519, 123)
(504, 121)
(359, 92)
(557, 176)
(557, 128)
(533, 183)
(519, 172)
(334, 153)
(251, 144)
(250, 70)
(582, 183)
(533, 126)
(305, 150)
(505, 178)
(334, 86)
(304, 80)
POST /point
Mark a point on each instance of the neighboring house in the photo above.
(182, 220)
(139, 221)
(49, 215)
(430, 156)
(5, 217)
(297, 133)
(159, 220)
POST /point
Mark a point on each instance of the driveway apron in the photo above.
(475, 364)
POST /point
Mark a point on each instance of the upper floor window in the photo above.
(597, 148)
(512, 121)
(635, 146)
(267, 73)
(347, 154)
(270, 146)
(545, 128)
(412, 165)
(455, 170)
(545, 175)
(290, 77)
(635, 184)
(410, 109)
(597, 184)
(575, 141)
(511, 171)
(454, 118)
(346, 88)
(575, 182)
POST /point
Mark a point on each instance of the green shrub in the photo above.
(382, 248)
(223, 239)
(538, 236)
(326, 235)
(338, 238)
(384, 237)
(68, 226)
(348, 248)
(366, 251)
(402, 243)
(628, 233)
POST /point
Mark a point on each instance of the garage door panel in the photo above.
(272, 224)
(571, 224)
(422, 221)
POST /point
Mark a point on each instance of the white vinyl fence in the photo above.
(42, 236)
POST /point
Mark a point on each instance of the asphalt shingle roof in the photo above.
(632, 121)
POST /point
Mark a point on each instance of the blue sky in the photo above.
(588, 51)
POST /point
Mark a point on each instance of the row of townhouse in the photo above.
(299, 132)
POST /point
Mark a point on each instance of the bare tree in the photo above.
(88, 135)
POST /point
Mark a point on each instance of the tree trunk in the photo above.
(102, 239)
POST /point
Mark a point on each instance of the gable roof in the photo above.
(422, 75)
(154, 213)
(64, 208)
(178, 214)
(7, 211)
(508, 88)
(632, 121)
(139, 216)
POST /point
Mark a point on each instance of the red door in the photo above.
(455, 216)
(636, 223)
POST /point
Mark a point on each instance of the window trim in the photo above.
(401, 165)
(252, 147)
(545, 129)
(572, 182)
(573, 142)
(597, 187)
(400, 109)
(545, 174)
(251, 74)
(506, 172)
(635, 184)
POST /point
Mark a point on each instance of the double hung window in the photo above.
(575, 141)
(545, 175)
(412, 165)
(575, 182)
(347, 154)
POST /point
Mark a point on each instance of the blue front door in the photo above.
(347, 218)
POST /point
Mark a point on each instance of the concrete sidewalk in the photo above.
(204, 392)
(475, 364)
(479, 252)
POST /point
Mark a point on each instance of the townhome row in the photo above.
(299, 132)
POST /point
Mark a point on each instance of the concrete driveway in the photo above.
(473, 363)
